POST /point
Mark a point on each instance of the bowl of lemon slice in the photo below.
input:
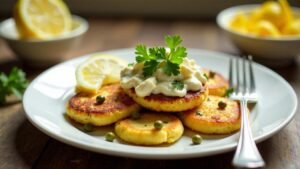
(41, 33)
(269, 31)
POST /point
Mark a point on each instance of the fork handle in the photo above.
(247, 154)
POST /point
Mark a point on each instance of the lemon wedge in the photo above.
(42, 19)
(98, 70)
(287, 11)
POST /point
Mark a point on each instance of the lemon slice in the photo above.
(287, 11)
(97, 71)
(42, 19)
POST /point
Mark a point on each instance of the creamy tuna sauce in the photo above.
(160, 83)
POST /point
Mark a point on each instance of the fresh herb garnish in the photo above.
(130, 64)
(179, 85)
(155, 56)
(229, 92)
(205, 75)
(14, 83)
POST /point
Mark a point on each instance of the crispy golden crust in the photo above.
(211, 119)
(161, 103)
(217, 85)
(83, 107)
(142, 131)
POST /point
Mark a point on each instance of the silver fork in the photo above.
(247, 154)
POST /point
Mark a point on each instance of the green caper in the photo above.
(88, 127)
(158, 124)
(222, 105)
(110, 136)
(100, 99)
(135, 115)
(212, 74)
(197, 139)
(199, 113)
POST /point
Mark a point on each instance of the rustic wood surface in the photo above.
(24, 146)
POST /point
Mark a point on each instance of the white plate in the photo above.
(45, 98)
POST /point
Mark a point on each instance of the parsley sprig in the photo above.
(229, 92)
(178, 85)
(156, 56)
(13, 83)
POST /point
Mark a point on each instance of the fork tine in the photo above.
(231, 83)
(237, 76)
(252, 80)
(244, 76)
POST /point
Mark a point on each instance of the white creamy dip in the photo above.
(160, 83)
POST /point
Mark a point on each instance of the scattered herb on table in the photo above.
(13, 83)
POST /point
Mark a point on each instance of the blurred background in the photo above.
(117, 24)
(203, 9)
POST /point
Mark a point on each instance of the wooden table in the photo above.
(24, 146)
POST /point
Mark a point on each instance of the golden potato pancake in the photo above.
(162, 103)
(84, 109)
(141, 131)
(216, 84)
(209, 118)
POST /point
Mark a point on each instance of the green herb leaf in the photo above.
(130, 64)
(142, 53)
(153, 57)
(178, 55)
(179, 85)
(158, 53)
(15, 83)
(171, 68)
(229, 92)
(173, 41)
(150, 67)
(205, 75)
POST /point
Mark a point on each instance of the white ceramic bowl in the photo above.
(272, 51)
(43, 52)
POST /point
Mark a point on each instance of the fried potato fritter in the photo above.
(216, 84)
(212, 118)
(83, 107)
(162, 103)
(142, 131)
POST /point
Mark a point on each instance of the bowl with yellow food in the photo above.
(270, 31)
(42, 35)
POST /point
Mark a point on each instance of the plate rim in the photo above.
(180, 155)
